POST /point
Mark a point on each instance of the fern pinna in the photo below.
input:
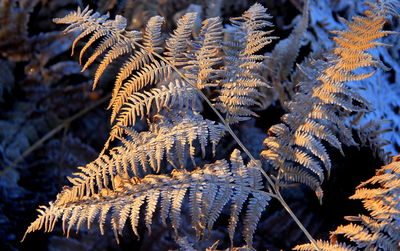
(208, 190)
(319, 112)
(163, 83)
(381, 229)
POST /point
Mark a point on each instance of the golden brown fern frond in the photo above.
(318, 112)
(380, 195)
(111, 33)
(239, 87)
(96, 188)
(381, 229)
(172, 137)
(153, 42)
(208, 190)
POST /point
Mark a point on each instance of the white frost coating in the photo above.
(385, 98)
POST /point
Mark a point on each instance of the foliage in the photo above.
(380, 229)
(181, 104)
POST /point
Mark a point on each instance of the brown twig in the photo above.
(50, 134)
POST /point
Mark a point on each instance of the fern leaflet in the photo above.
(211, 182)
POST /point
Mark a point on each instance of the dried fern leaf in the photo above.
(381, 229)
(200, 58)
(117, 41)
(370, 136)
(281, 60)
(153, 41)
(135, 62)
(173, 138)
(239, 86)
(318, 112)
(128, 196)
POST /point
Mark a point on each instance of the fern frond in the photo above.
(128, 196)
(370, 135)
(117, 50)
(135, 62)
(200, 58)
(152, 37)
(286, 51)
(117, 42)
(105, 188)
(381, 230)
(242, 64)
(295, 174)
(318, 112)
(358, 234)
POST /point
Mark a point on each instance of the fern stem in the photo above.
(294, 217)
(277, 194)
(50, 134)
